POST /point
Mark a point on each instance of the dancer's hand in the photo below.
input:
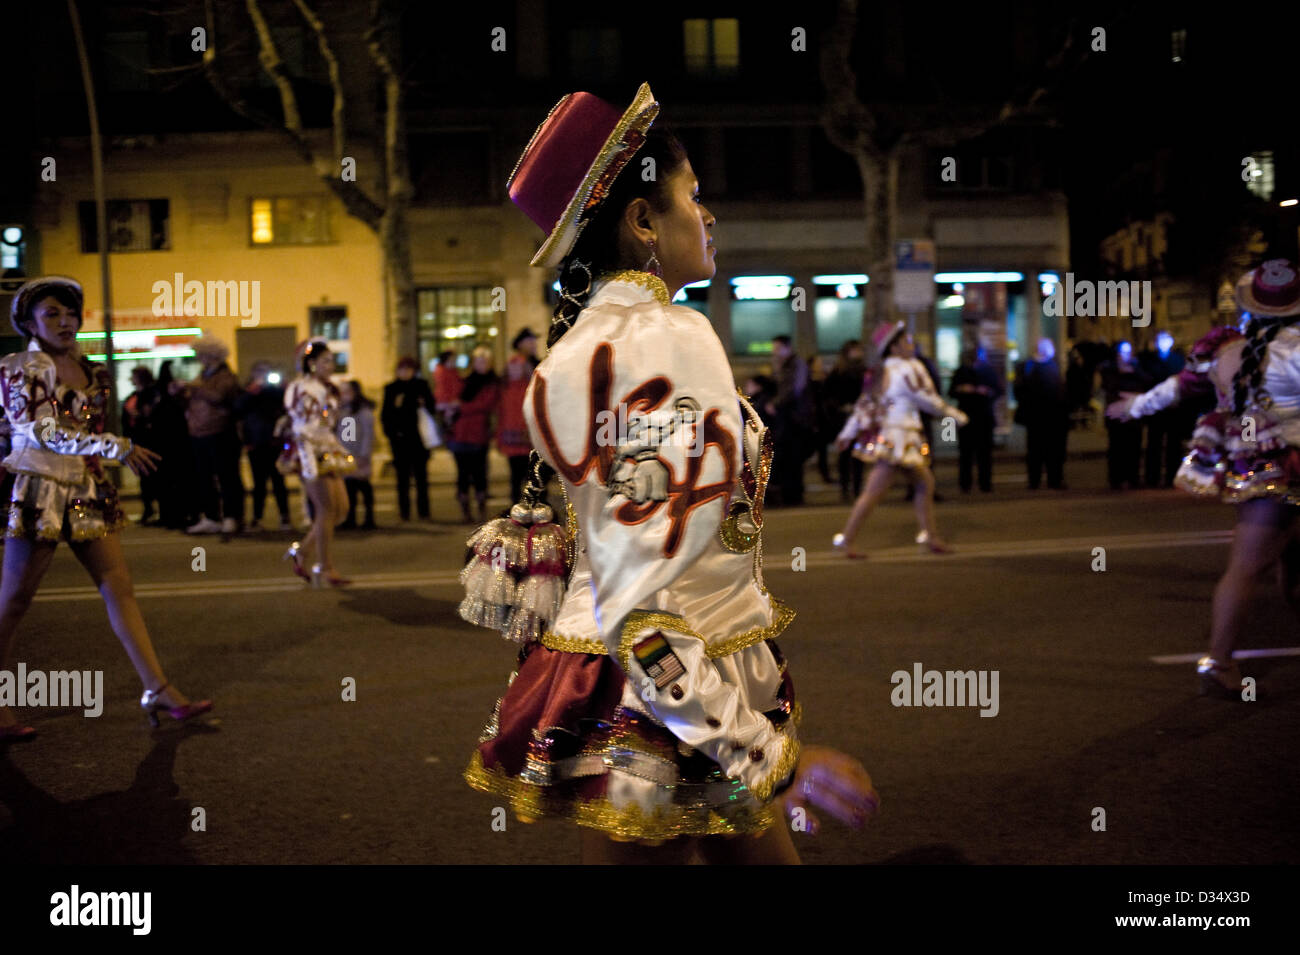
(834, 782)
(1119, 409)
(141, 460)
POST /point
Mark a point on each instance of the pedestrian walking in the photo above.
(55, 401)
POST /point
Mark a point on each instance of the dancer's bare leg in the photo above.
(1288, 570)
(25, 563)
(1263, 532)
(923, 500)
(322, 528)
(599, 849)
(877, 484)
(105, 561)
(774, 847)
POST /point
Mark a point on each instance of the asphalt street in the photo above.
(286, 771)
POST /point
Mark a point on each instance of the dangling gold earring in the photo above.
(652, 264)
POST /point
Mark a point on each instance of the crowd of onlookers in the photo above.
(203, 427)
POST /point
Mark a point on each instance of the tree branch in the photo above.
(336, 81)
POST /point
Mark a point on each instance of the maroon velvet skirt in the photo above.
(561, 743)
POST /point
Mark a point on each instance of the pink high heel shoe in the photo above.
(149, 703)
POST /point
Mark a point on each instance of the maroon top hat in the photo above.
(885, 334)
(1271, 289)
(569, 164)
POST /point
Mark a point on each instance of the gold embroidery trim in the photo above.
(651, 283)
(531, 803)
(638, 620)
(784, 766)
(784, 615)
(558, 641)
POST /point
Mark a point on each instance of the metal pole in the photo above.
(101, 213)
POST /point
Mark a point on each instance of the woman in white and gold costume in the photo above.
(885, 431)
(55, 402)
(655, 710)
(312, 401)
(1246, 452)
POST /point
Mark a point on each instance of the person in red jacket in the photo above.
(471, 433)
(512, 429)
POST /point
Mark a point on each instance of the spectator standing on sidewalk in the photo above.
(210, 414)
(792, 419)
(512, 429)
(1042, 408)
(257, 411)
(1122, 378)
(357, 435)
(976, 389)
(403, 399)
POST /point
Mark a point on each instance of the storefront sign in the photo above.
(913, 274)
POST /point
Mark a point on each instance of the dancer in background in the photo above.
(885, 431)
(313, 403)
(1246, 452)
(654, 711)
(55, 401)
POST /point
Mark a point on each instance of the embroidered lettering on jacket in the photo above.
(638, 472)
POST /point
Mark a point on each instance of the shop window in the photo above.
(458, 318)
(134, 225)
(330, 322)
(290, 220)
(838, 312)
(755, 323)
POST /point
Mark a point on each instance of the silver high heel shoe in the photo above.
(1209, 670)
(294, 554)
(840, 545)
(149, 703)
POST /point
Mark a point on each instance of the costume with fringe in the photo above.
(313, 410)
(650, 700)
(887, 426)
(1239, 457)
(60, 490)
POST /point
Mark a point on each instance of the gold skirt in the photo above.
(41, 508)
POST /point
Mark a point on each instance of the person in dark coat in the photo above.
(793, 420)
(842, 387)
(1168, 429)
(976, 388)
(177, 502)
(400, 420)
(1042, 408)
(137, 424)
(1120, 378)
(257, 410)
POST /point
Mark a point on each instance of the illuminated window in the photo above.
(458, 318)
(1259, 174)
(12, 246)
(331, 323)
(134, 225)
(712, 46)
(290, 220)
(1178, 45)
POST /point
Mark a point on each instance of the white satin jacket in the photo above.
(636, 409)
(53, 425)
(314, 411)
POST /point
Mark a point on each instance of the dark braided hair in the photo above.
(1259, 333)
(597, 245)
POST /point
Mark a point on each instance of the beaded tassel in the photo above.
(517, 567)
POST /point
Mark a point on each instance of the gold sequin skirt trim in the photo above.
(531, 803)
(42, 509)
